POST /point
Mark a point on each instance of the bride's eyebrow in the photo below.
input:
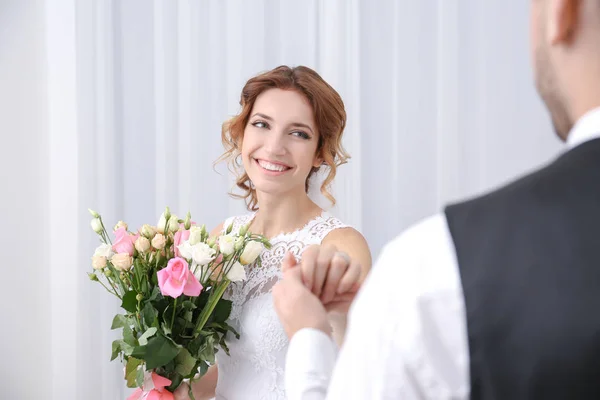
(264, 116)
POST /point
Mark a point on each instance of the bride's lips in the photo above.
(272, 168)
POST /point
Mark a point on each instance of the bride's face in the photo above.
(280, 142)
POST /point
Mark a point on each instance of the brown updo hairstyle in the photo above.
(330, 119)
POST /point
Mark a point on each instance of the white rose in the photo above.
(98, 262)
(186, 250)
(159, 241)
(202, 253)
(251, 252)
(96, 225)
(122, 261)
(226, 244)
(236, 273)
(161, 225)
(104, 250)
(142, 244)
(195, 235)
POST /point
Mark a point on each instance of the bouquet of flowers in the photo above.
(170, 280)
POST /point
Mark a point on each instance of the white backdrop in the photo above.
(117, 105)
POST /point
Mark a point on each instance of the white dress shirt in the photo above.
(407, 335)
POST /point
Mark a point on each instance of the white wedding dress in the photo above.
(255, 367)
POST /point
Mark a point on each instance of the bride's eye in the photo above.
(260, 124)
(300, 134)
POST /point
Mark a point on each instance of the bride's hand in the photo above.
(331, 275)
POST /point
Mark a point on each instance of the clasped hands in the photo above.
(324, 281)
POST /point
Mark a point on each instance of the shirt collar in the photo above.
(586, 128)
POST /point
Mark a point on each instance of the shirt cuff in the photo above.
(310, 360)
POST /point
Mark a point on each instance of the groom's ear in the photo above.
(564, 16)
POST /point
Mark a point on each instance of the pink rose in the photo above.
(153, 388)
(177, 278)
(180, 236)
(124, 242)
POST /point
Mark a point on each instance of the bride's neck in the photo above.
(277, 214)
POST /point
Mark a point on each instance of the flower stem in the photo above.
(173, 316)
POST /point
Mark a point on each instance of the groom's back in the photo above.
(529, 258)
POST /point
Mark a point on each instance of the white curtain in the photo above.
(117, 104)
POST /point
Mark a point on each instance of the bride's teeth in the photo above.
(272, 167)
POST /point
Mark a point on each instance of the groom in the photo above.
(497, 298)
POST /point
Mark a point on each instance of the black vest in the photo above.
(529, 260)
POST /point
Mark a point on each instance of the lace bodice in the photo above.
(255, 367)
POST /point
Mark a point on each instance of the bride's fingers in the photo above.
(322, 268)
(350, 280)
(337, 269)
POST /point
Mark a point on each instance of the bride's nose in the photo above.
(275, 144)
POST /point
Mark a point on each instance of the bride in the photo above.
(290, 126)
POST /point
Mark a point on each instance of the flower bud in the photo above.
(97, 225)
(167, 213)
(212, 241)
(148, 231)
(195, 235)
(142, 244)
(159, 241)
(119, 225)
(173, 223)
(239, 243)
(251, 252)
(94, 213)
(161, 225)
(139, 297)
(188, 221)
(93, 277)
(98, 262)
(122, 261)
(107, 272)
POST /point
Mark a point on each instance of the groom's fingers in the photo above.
(308, 263)
(289, 261)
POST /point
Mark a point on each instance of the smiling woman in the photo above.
(290, 126)
(300, 103)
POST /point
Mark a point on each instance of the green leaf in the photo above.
(150, 315)
(129, 301)
(119, 321)
(155, 293)
(139, 352)
(126, 348)
(131, 371)
(139, 377)
(144, 338)
(188, 305)
(128, 336)
(116, 349)
(185, 362)
(159, 351)
(222, 310)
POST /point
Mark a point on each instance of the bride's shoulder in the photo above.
(349, 240)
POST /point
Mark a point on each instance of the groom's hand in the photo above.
(296, 306)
